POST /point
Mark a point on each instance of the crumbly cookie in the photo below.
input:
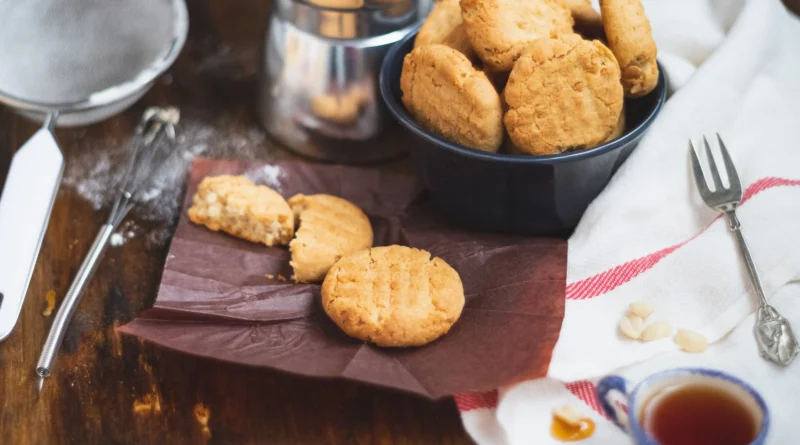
(444, 93)
(499, 30)
(329, 228)
(233, 204)
(631, 41)
(393, 296)
(563, 94)
(443, 25)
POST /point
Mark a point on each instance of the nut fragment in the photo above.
(631, 326)
(657, 329)
(691, 341)
(568, 414)
(641, 308)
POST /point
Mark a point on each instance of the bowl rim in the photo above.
(400, 113)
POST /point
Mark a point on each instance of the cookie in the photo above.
(393, 296)
(328, 229)
(444, 93)
(233, 204)
(443, 25)
(631, 40)
(499, 30)
(563, 94)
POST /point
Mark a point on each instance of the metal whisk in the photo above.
(153, 145)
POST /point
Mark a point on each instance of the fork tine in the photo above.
(699, 178)
(712, 165)
(733, 177)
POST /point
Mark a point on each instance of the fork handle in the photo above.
(736, 228)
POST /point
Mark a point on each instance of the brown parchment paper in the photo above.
(215, 299)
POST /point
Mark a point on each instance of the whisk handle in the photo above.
(71, 300)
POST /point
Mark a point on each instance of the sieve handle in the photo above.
(25, 205)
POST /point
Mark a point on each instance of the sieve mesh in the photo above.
(61, 51)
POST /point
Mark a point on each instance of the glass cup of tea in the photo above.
(690, 406)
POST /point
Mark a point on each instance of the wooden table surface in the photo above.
(108, 389)
(111, 389)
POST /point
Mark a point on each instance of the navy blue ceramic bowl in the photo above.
(534, 195)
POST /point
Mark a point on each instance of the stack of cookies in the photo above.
(520, 75)
(390, 296)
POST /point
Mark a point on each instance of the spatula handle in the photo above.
(25, 205)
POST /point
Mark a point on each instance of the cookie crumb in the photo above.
(202, 414)
(50, 297)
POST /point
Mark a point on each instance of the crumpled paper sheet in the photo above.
(216, 299)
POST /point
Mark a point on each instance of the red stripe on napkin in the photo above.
(586, 391)
(467, 401)
(606, 281)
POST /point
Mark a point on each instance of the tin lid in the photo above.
(352, 19)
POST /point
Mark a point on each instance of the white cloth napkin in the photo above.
(734, 68)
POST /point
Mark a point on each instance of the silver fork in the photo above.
(774, 335)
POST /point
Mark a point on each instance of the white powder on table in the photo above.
(95, 172)
(116, 240)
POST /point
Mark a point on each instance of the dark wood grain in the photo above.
(112, 389)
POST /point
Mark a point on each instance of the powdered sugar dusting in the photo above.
(93, 175)
(116, 240)
(269, 175)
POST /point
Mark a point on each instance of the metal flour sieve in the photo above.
(71, 62)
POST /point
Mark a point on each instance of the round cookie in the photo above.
(631, 40)
(499, 30)
(393, 296)
(444, 93)
(329, 229)
(443, 25)
(563, 94)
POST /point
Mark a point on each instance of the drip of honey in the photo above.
(569, 433)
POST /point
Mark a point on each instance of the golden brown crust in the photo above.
(444, 26)
(329, 228)
(499, 30)
(631, 40)
(233, 204)
(563, 94)
(444, 93)
(393, 296)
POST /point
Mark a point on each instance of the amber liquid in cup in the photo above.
(696, 414)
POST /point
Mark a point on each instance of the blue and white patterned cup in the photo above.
(613, 388)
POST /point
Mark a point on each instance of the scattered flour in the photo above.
(94, 174)
(116, 240)
(268, 175)
(126, 232)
